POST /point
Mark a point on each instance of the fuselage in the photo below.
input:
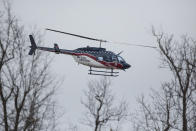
(92, 57)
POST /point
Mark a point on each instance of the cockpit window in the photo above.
(120, 59)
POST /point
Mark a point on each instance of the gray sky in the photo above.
(116, 20)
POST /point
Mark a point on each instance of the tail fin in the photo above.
(33, 45)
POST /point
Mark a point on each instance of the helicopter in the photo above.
(94, 57)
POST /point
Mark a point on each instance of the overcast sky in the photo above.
(116, 20)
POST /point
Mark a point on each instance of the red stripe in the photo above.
(108, 64)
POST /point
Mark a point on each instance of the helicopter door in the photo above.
(115, 60)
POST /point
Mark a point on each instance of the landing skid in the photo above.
(103, 73)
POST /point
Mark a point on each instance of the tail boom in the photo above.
(55, 49)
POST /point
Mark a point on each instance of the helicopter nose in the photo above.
(126, 66)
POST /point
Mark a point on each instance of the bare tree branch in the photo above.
(100, 106)
(26, 86)
(173, 107)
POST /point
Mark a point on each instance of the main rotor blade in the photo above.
(130, 44)
(76, 35)
(100, 40)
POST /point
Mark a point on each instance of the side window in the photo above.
(100, 58)
(114, 58)
(107, 58)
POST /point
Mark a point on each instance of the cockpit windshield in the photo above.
(120, 59)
